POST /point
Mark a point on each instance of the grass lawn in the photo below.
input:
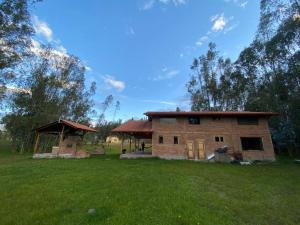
(145, 191)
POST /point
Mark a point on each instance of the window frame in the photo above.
(177, 140)
(219, 138)
(198, 119)
(160, 139)
(260, 144)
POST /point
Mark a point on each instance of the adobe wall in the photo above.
(208, 128)
(69, 145)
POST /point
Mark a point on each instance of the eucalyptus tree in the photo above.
(15, 38)
(53, 88)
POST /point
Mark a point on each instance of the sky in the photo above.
(140, 51)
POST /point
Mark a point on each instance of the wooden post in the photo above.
(36, 142)
(138, 144)
(134, 143)
(61, 138)
(122, 143)
(130, 144)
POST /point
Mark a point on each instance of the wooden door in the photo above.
(190, 149)
(201, 149)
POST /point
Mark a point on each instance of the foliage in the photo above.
(215, 85)
(15, 38)
(265, 77)
(104, 129)
(103, 126)
(54, 89)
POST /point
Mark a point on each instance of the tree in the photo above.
(265, 77)
(53, 89)
(15, 38)
(103, 126)
(215, 83)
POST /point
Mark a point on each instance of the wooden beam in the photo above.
(122, 143)
(37, 140)
(61, 137)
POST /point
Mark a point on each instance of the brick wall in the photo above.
(208, 129)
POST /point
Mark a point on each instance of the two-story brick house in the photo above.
(195, 135)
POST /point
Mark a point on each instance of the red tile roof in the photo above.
(207, 113)
(78, 126)
(57, 125)
(134, 126)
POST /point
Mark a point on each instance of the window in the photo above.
(194, 119)
(175, 140)
(248, 121)
(167, 120)
(160, 139)
(219, 139)
(251, 143)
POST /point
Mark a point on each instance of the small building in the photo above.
(196, 135)
(70, 136)
(113, 139)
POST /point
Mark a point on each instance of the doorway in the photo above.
(201, 149)
(190, 150)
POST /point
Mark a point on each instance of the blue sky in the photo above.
(140, 51)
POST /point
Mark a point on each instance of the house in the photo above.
(113, 139)
(196, 135)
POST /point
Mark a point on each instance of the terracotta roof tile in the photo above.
(78, 126)
(214, 113)
(134, 126)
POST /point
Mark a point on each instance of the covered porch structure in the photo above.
(137, 132)
(70, 136)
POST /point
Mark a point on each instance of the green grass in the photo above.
(145, 191)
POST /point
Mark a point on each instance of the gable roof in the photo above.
(213, 113)
(135, 126)
(56, 126)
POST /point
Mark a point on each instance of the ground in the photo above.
(145, 191)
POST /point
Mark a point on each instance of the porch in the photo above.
(137, 155)
(139, 136)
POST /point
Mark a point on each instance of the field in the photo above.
(145, 191)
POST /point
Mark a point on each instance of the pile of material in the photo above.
(223, 155)
(78, 155)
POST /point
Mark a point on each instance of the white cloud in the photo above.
(230, 28)
(243, 5)
(160, 102)
(112, 82)
(87, 68)
(149, 4)
(240, 3)
(201, 40)
(42, 28)
(37, 49)
(13, 89)
(166, 74)
(219, 22)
